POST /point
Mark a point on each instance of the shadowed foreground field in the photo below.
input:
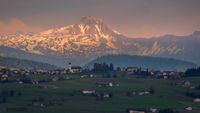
(64, 96)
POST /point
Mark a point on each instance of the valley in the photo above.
(66, 95)
(97, 91)
(99, 56)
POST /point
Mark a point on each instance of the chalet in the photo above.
(104, 95)
(16, 71)
(4, 77)
(153, 110)
(57, 72)
(197, 100)
(131, 70)
(143, 93)
(55, 78)
(84, 76)
(138, 110)
(75, 69)
(35, 82)
(67, 78)
(167, 74)
(20, 82)
(187, 84)
(92, 76)
(146, 70)
(188, 108)
(87, 76)
(105, 83)
(48, 86)
(38, 104)
(88, 92)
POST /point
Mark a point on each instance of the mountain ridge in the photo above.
(92, 37)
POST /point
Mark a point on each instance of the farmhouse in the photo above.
(131, 70)
(88, 92)
(153, 110)
(105, 83)
(143, 93)
(20, 82)
(189, 108)
(186, 84)
(138, 110)
(87, 76)
(55, 78)
(197, 100)
(35, 82)
(38, 104)
(4, 77)
(167, 74)
(75, 69)
(104, 95)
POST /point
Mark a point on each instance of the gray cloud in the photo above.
(132, 17)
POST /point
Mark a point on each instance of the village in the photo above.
(102, 84)
(7, 74)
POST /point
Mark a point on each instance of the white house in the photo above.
(88, 92)
(136, 111)
(189, 108)
(105, 84)
(74, 69)
(196, 100)
(4, 77)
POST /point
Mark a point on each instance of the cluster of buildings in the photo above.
(154, 73)
(105, 83)
(142, 110)
(141, 93)
(98, 95)
(8, 74)
(21, 76)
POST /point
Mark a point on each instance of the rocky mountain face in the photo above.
(179, 47)
(92, 37)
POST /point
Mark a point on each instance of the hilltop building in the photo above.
(74, 69)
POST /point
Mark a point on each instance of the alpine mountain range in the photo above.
(91, 38)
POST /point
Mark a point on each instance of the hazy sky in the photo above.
(134, 18)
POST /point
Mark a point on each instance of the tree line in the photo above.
(103, 67)
(193, 72)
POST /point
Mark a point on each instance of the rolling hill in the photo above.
(144, 62)
(24, 64)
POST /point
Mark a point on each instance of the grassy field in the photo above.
(166, 96)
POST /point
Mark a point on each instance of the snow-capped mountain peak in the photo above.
(95, 25)
(90, 34)
(89, 25)
(92, 37)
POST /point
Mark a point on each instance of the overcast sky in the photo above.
(133, 18)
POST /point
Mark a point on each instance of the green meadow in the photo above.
(63, 94)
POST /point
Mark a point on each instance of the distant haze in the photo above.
(133, 18)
